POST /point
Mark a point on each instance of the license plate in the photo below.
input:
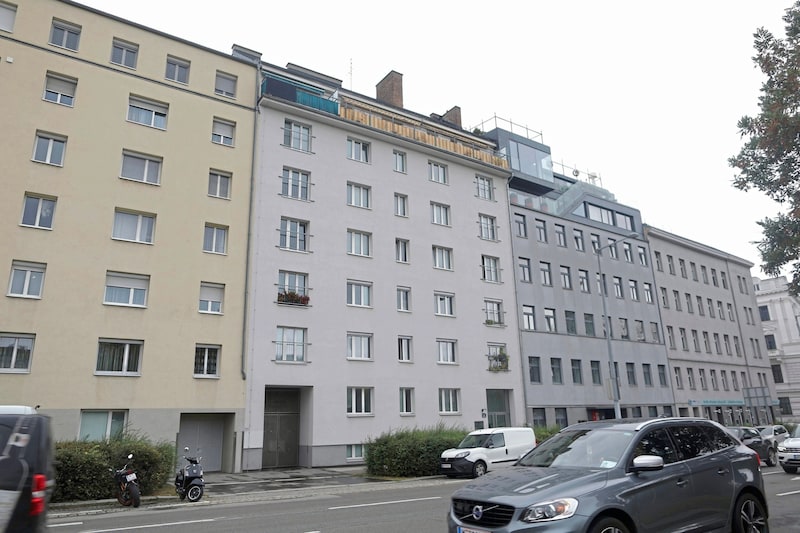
(469, 530)
(446, 465)
(130, 477)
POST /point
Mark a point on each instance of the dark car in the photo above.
(751, 438)
(27, 476)
(621, 476)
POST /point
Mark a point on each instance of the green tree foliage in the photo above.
(769, 161)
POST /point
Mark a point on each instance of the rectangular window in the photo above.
(65, 35)
(490, 268)
(550, 320)
(577, 237)
(612, 248)
(633, 289)
(225, 84)
(358, 195)
(597, 376)
(541, 230)
(528, 318)
(534, 369)
(400, 205)
(119, 357)
(704, 274)
(525, 269)
(676, 300)
(355, 452)
(671, 265)
(671, 337)
(555, 371)
(618, 287)
(38, 211)
(577, 371)
(294, 184)
(655, 332)
(27, 279)
(449, 400)
(359, 293)
(359, 346)
(206, 361)
(561, 235)
(223, 132)
(290, 344)
(400, 161)
(177, 70)
(442, 258)
(406, 401)
(623, 329)
(359, 400)
(293, 235)
(401, 250)
(437, 172)
(126, 289)
(648, 374)
(690, 378)
(444, 304)
(520, 226)
(359, 243)
(211, 297)
(659, 264)
(446, 350)
(219, 184)
(642, 256)
(595, 243)
(485, 187)
(358, 150)
(147, 112)
(101, 425)
(59, 89)
(678, 378)
(569, 318)
(544, 273)
(15, 352)
(215, 239)
(297, 136)
(714, 383)
(684, 339)
(404, 349)
(142, 168)
(403, 298)
(488, 226)
(440, 214)
(566, 277)
(8, 13)
(49, 149)
(630, 370)
(588, 324)
(662, 375)
(627, 251)
(639, 325)
(494, 312)
(124, 53)
(135, 227)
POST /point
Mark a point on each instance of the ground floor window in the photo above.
(101, 425)
(355, 452)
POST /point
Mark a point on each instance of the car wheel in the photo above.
(749, 515)
(790, 469)
(478, 469)
(609, 525)
(772, 457)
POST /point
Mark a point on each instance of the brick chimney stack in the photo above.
(453, 116)
(390, 90)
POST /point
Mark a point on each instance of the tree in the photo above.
(769, 161)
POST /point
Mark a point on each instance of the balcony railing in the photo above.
(498, 362)
(294, 92)
(292, 298)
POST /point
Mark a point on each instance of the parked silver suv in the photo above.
(621, 476)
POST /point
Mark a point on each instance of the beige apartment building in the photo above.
(127, 165)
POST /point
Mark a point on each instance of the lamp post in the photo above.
(607, 320)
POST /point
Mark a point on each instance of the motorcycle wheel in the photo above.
(124, 497)
(182, 494)
(133, 489)
(194, 493)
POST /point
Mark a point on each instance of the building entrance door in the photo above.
(498, 412)
(281, 428)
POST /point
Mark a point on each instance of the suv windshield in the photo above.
(592, 448)
(475, 441)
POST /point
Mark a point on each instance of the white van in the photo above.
(486, 449)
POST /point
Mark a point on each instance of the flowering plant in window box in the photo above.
(292, 297)
(498, 362)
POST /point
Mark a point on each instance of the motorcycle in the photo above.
(127, 485)
(189, 483)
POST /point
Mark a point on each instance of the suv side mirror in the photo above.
(647, 463)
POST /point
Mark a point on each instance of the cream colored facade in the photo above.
(73, 226)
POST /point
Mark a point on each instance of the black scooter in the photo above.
(127, 485)
(189, 483)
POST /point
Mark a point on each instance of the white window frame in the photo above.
(358, 150)
(223, 132)
(359, 243)
(59, 89)
(38, 211)
(26, 280)
(151, 168)
(359, 195)
(359, 293)
(212, 298)
(444, 304)
(68, 36)
(406, 401)
(128, 53)
(207, 360)
(119, 285)
(404, 299)
(359, 401)
(290, 281)
(437, 172)
(440, 214)
(177, 70)
(400, 162)
(488, 225)
(130, 366)
(402, 249)
(404, 348)
(494, 311)
(293, 235)
(401, 205)
(20, 347)
(215, 239)
(49, 149)
(528, 318)
(490, 268)
(225, 84)
(355, 452)
(449, 401)
(144, 226)
(147, 112)
(297, 136)
(295, 183)
(8, 14)
(525, 269)
(446, 352)
(442, 258)
(113, 426)
(359, 346)
(219, 184)
(290, 344)
(484, 187)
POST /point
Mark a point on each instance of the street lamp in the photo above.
(611, 367)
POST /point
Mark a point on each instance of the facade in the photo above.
(718, 365)
(779, 312)
(124, 220)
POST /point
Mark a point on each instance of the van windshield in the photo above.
(592, 448)
(475, 441)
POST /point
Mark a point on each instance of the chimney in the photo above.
(453, 116)
(390, 90)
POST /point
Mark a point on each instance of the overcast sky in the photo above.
(646, 94)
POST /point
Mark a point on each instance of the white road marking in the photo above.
(166, 524)
(788, 493)
(66, 524)
(384, 503)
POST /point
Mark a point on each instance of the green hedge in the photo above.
(82, 467)
(544, 433)
(411, 452)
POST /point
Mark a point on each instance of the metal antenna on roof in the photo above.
(350, 72)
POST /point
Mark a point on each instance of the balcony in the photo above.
(298, 93)
(293, 298)
(498, 362)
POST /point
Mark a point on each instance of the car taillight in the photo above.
(38, 493)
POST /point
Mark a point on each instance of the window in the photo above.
(682, 267)
(446, 350)
(494, 312)
(359, 346)
(211, 297)
(406, 401)
(290, 344)
(359, 243)
(676, 300)
(7, 15)
(693, 268)
(520, 226)
(577, 371)
(525, 269)
(704, 274)
(297, 136)
(119, 357)
(490, 269)
(449, 401)
(684, 339)
(124, 53)
(662, 375)
(769, 340)
(437, 172)
(569, 318)
(358, 150)
(442, 258)
(59, 89)
(528, 318)
(215, 239)
(359, 293)
(664, 298)
(713, 374)
(135, 227)
(714, 277)
(485, 187)
(358, 195)
(292, 282)
(294, 184)
(38, 211)
(15, 352)
(534, 369)
(689, 303)
(223, 132)
(618, 287)
(624, 333)
(763, 313)
(577, 237)
(695, 340)
(555, 371)
(588, 324)
(561, 235)
(671, 264)
(785, 403)
(597, 376)
(550, 320)
(541, 230)
(444, 304)
(671, 337)
(710, 303)
(724, 279)
(440, 214)
(400, 161)
(101, 425)
(400, 205)
(700, 309)
(630, 370)
(642, 256)
(27, 279)
(583, 280)
(595, 243)
(359, 400)
(404, 349)
(659, 264)
(126, 289)
(544, 273)
(49, 149)
(142, 168)
(488, 225)
(730, 312)
(65, 35)
(177, 70)
(294, 234)
(219, 184)
(648, 374)
(627, 250)
(225, 84)
(403, 298)
(566, 277)
(633, 289)
(678, 378)
(206, 361)
(355, 452)
(655, 332)
(401, 250)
